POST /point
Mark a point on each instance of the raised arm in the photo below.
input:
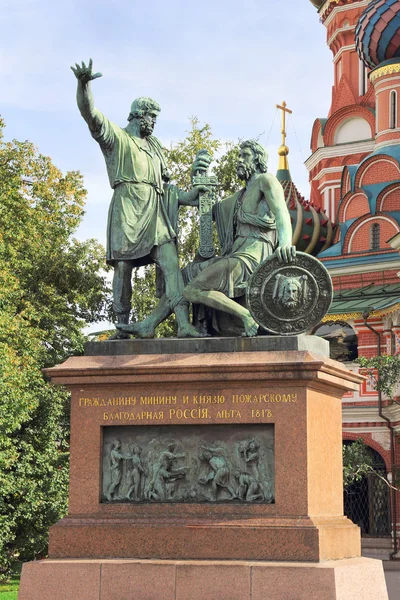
(275, 197)
(84, 97)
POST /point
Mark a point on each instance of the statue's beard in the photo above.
(244, 172)
(146, 127)
(290, 303)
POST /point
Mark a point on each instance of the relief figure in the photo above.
(163, 482)
(218, 475)
(135, 472)
(115, 469)
(249, 450)
(249, 488)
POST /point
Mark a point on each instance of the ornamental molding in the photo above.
(390, 87)
(342, 50)
(339, 150)
(333, 184)
(386, 131)
(367, 268)
(357, 315)
(365, 414)
(340, 30)
(386, 144)
(386, 70)
(357, 430)
(336, 9)
(327, 171)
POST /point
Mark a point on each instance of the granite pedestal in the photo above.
(297, 546)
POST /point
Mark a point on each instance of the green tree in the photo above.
(357, 464)
(383, 372)
(51, 286)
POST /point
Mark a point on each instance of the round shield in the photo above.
(289, 299)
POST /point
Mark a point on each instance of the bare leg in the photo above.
(204, 289)
(166, 258)
(146, 328)
(219, 301)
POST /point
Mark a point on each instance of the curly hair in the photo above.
(260, 154)
(140, 106)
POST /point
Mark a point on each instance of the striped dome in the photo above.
(378, 32)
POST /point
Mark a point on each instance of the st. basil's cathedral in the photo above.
(352, 223)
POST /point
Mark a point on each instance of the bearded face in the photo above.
(146, 126)
(245, 172)
(291, 294)
(147, 122)
(245, 166)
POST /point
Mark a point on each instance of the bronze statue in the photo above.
(141, 228)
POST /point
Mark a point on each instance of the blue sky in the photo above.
(227, 61)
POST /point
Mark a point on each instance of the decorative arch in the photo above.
(389, 199)
(368, 441)
(317, 134)
(344, 114)
(345, 185)
(358, 235)
(354, 205)
(367, 501)
(375, 168)
(342, 338)
(351, 130)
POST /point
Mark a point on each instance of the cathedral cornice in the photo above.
(331, 7)
(385, 70)
(339, 150)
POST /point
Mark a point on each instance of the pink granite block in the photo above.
(279, 582)
(66, 580)
(218, 581)
(149, 580)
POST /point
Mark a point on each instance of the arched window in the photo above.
(375, 242)
(343, 343)
(363, 79)
(339, 70)
(393, 110)
(367, 501)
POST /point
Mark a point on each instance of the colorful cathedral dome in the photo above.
(378, 32)
(317, 3)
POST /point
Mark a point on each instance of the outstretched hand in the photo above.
(84, 73)
(285, 254)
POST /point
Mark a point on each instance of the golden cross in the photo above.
(284, 111)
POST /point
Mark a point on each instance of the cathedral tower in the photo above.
(347, 134)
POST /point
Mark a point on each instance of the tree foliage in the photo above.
(51, 286)
(357, 462)
(383, 372)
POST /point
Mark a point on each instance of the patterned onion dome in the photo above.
(378, 32)
(317, 3)
(312, 231)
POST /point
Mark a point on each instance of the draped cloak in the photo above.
(138, 218)
(244, 235)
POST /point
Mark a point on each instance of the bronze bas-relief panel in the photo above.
(188, 463)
